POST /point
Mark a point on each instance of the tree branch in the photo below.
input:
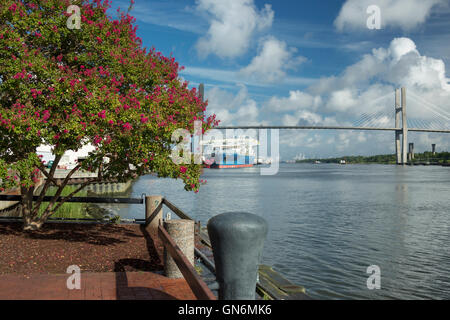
(60, 190)
(50, 179)
(64, 199)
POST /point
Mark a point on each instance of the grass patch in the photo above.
(74, 210)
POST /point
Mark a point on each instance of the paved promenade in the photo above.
(95, 286)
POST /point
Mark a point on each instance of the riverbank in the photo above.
(426, 158)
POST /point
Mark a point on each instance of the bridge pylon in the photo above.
(398, 133)
(401, 148)
(405, 129)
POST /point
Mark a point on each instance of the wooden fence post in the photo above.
(151, 204)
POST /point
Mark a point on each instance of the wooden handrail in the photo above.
(177, 211)
(197, 285)
(5, 197)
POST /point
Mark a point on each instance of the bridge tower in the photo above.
(405, 129)
(401, 148)
(398, 133)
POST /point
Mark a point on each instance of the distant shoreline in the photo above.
(426, 158)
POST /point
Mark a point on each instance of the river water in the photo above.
(329, 223)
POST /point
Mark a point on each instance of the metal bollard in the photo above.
(237, 239)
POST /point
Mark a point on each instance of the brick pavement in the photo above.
(95, 286)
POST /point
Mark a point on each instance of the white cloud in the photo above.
(273, 61)
(296, 100)
(376, 75)
(236, 77)
(341, 100)
(404, 14)
(232, 109)
(232, 25)
(307, 118)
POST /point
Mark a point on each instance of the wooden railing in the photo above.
(197, 285)
(169, 205)
(195, 282)
(76, 199)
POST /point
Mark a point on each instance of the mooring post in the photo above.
(398, 110)
(151, 204)
(405, 129)
(237, 239)
(183, 233)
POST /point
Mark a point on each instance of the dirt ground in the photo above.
(92, 247)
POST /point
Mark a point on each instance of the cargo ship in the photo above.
(229, 153)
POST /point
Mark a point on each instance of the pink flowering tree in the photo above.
(95, 85)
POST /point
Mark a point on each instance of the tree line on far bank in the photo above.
(442, 157)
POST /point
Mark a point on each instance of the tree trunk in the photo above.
(29, 221)
(32, 225)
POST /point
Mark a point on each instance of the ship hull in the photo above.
(230, 166)
(232, 161)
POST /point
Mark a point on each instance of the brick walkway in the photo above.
(95, 286)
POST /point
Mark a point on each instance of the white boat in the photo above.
(343, 162)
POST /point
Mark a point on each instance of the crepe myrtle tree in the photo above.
(97, 85)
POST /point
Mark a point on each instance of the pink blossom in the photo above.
(144, 120)
(97, 140)
(13, 8)
(46, 115)
(127, 126)
(102, 114)
(183, 169)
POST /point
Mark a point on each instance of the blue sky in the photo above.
(307, 62)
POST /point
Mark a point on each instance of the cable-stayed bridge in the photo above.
(422, 116)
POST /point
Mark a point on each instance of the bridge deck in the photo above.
(331, 128)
